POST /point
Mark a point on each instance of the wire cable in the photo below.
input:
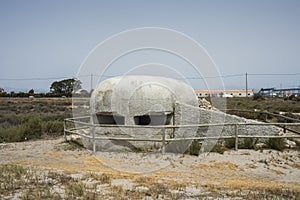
(189, 78)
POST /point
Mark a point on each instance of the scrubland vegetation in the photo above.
(25, 119)
(276, 104)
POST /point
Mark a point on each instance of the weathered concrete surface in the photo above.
(138, 95)
(214, 116)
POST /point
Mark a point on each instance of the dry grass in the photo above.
(158, 185)
(252, 166)
(217, 166)
(296, 165)
(246, 183)
(278, 172)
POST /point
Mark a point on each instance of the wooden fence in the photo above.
(82, 123)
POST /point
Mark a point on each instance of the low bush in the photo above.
(276, 143)
(23, 118)
(194, 148)
(268, 104)
(248, 143)
(28, 127)
(33, 128)
(12, 134)
(230, 143)
(53, 128)
(218, 148)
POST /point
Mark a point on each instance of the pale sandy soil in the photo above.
(242, 170)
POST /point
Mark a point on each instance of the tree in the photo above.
(65, 87)
(31, 92)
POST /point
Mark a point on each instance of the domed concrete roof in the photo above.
(139, 95)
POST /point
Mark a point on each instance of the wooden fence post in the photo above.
(236, 137)
(94, 141)
(163, 150)
(65, 134)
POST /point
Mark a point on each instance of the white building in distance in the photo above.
(224, 93)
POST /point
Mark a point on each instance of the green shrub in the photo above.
(276, 143)
(218, 148)
(12, 134)
(248, 143)
(22, 118)
(230, 143)
(211, 146)
(194, 148)
(33, 128)
(53, 128)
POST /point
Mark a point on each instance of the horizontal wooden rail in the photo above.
(92, 127)
(263, 112)
(181, 126)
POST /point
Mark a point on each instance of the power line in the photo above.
(109, 76)
(32, 79)
(275, 74)
(222, 76)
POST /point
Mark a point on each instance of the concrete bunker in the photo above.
(141, 101)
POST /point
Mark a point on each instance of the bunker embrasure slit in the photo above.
(109, 118)
(153, 119)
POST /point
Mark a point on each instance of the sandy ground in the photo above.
(233, 170)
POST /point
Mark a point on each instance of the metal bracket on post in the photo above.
(236, 137)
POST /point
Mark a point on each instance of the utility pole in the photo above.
(91, 82)
(246, 85)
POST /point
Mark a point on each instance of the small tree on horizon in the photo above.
(31, 92)
(65, 87)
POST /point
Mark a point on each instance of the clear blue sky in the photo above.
(51, 38)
